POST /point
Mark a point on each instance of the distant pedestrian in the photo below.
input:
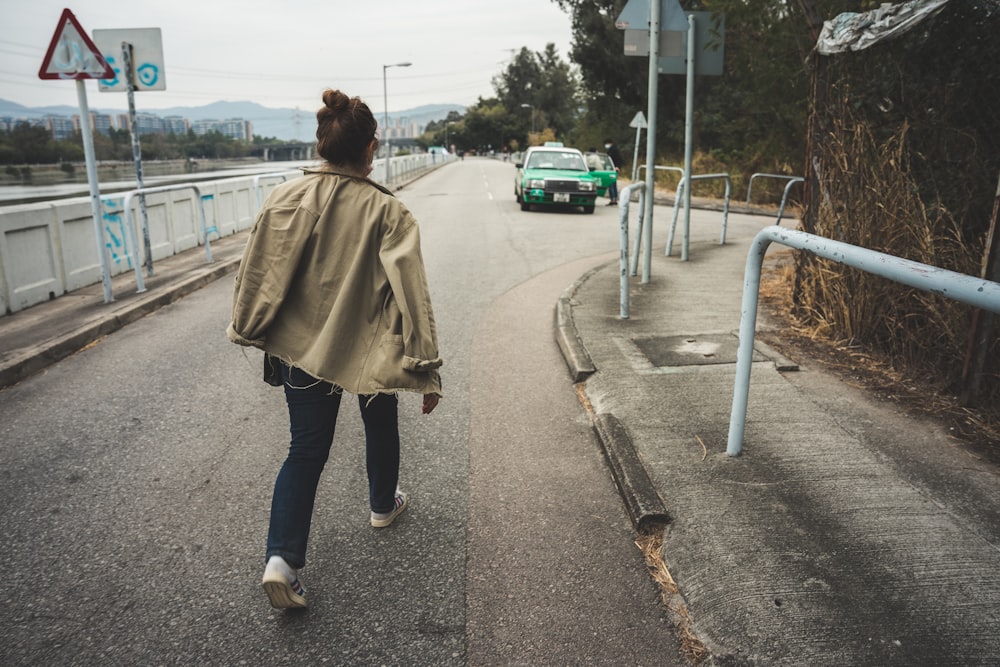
(616, 158)
(332, 287)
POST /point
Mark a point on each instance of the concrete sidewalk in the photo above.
(846, 534)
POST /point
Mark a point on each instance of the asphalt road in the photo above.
(135, 481)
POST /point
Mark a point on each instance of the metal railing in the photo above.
(258, 187)
(680, 193)
(624, 198)
(130, 227)
(679, 170)
(977, 292)
(792, 180)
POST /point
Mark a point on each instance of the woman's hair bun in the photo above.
(335, 100)
(345, 128)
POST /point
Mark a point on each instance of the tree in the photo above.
(754, 114)
(545, 84)
(29, 144)
(489, 125)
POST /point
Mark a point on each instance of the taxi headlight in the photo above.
(536, 184)
(587, 186)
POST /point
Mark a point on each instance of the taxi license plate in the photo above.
(560, 197)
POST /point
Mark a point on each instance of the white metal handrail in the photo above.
(680, 192)
(792, 180)
(129, 225)
(624, 198)
(975, 291)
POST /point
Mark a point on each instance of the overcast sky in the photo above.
(283, 53)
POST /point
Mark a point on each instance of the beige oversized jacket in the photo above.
(332, 281)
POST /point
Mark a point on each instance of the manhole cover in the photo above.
(697, 350)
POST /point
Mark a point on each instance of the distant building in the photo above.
(145, 123)
(9, 123)
(402, 128)
(236, 128)
(99, 122)
(60, 126)
(176, 124)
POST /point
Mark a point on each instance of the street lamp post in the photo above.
(532, 107)
(385, 116)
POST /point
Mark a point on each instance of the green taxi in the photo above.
(554, 176)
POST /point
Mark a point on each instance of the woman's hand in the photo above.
(430, 402)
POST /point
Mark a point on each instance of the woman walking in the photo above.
(332, 287)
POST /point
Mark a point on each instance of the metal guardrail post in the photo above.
(974, 291)
(130, 222)
(131, 242)
(204, 225)
(792, 180)
(784, 196)
(624, 198)
(725, 209)
(258, 191)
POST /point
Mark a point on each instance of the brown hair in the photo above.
(345, 128)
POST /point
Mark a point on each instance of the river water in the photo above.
(22, 194)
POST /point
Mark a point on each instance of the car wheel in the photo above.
(517, 196)
(588, 209)
(525, 206)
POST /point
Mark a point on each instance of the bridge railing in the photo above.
(47, 249)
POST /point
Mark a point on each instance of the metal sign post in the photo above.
(142, 68)
(667, 40)
(652, 94)
(688, 137)
(72, 55)
(137, 153)
(638, 122)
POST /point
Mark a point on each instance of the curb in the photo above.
(581, 366)
(642, 503)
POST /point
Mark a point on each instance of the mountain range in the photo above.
(286, 124)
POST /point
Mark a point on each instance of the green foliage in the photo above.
(755, 113)
(537, 90)
(447, 132)
(489, 125)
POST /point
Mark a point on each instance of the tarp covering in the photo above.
(852, 31)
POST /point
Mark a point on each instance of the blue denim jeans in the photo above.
(312, 412)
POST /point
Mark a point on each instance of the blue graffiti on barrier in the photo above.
(114, 229)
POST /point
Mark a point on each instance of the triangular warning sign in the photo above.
(71, 54)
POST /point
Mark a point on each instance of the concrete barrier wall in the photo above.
(49, 249)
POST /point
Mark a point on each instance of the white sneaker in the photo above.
(383, 519)
(282, 585)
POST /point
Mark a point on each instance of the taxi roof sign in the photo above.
(72, 54)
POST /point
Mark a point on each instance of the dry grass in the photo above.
(877, 190)
(650, 544)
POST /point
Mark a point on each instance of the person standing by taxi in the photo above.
(618, 161)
